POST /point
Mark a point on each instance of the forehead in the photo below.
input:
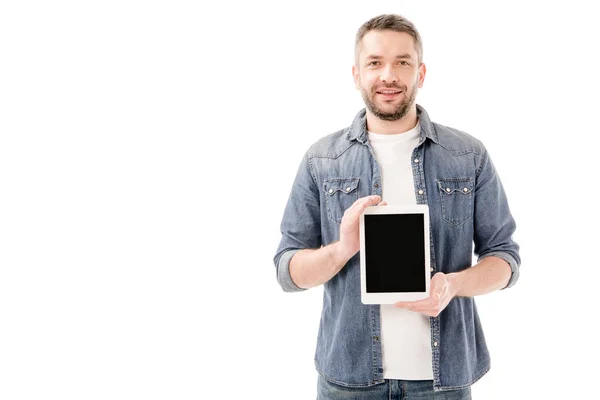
(387, 44)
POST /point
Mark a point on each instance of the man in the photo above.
(394, 152)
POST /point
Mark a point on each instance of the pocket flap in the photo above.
(449, 186)
(331, 186)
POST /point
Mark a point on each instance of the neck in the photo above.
(402, 125)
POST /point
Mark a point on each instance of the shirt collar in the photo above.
(358, 129)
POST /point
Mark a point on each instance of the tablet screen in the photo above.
(394, 253)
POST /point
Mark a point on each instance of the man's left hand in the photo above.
(440, 294)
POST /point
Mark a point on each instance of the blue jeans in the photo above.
(392, 389)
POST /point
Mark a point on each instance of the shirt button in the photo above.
(466, 190)
(347, 189)
(416, 160)
(448, 190)
(431, 269)
(376, 338)
(330, 190)
(420, 192)
(376, 185)
(434, 344)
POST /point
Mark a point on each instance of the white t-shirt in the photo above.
(405, 335)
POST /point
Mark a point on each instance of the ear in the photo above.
(422, 72)
(356, 76)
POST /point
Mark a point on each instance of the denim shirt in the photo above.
(454, 175)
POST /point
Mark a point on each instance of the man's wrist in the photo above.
(340, 255)
(455, 283)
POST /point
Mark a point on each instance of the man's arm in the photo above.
(309, 268)
(498, 254)
(493, 224)
(313, 267)
(489, 274)
(300, 261)
(300, 225)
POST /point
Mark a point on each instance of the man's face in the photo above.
(388, 73)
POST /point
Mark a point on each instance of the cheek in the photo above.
(416, 80)
(367, 82)
(358, 83)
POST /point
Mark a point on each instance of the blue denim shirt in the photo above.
(454, 175)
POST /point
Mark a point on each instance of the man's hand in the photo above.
(441, 292)
(349, 229)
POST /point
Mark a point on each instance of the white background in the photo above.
(147, 151)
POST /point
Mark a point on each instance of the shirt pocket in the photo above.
(340, 194)
(456, 199)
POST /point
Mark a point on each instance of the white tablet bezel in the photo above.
(391, 298)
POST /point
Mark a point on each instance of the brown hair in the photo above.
(392, 22)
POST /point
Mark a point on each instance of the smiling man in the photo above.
(388, 98)
(393, 153)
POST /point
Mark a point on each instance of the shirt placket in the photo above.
(375, 308)
(421, 195)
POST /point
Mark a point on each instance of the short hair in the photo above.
(391, 22)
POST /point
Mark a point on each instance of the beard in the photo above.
(399, 111)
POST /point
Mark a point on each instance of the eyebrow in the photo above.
(378, 57)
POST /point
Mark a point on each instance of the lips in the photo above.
(389, 93)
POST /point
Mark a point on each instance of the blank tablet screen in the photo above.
(394, 253)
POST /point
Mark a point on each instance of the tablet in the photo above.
(394, 254)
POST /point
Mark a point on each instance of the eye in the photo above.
(404, 63)
(373, 63)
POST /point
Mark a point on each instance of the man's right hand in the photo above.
(349, 243)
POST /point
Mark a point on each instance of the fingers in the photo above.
(433, 303)
(431, 306)
(419, 305)
(359, 206)
(368, 200)
(427, 307)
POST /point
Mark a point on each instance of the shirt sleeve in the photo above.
(493, 222)
(301, 224)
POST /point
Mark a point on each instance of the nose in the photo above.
(388, 75)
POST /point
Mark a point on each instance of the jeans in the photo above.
(392, 389)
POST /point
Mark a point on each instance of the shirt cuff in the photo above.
(283, 272)
(514, 267)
